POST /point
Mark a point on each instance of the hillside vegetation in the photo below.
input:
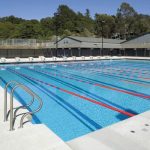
(127, 23)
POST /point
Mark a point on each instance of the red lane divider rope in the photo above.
(104, 71)
(96, 84)
(146, 78)
(122, 69)
(125, 80)
(77, 95)
(141, 84)
(119, 72)
(127, 92)
(125, 69)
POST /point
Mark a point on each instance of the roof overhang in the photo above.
(137, 45)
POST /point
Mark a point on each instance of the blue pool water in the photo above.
(82, 97)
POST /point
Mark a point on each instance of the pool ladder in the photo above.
(13, 111)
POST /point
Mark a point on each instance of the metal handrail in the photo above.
(13, 114)
(5, 99)
(33, 112)
(26, 114)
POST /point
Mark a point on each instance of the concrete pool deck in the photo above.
(130, 134)
(31, 137)
(67, 59)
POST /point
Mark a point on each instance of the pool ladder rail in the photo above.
(13, 111)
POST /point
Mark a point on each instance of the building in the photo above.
(139, 46)
(76, 46)
(87, 46)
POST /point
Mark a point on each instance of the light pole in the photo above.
(99, 49)
(56, 32)
(135, 51)
(102, 23)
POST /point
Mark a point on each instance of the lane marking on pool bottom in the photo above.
(76, 95)
(123, 80)
(116, 69)
(132, 82)
(93, 71)
(95, 84)
(108, 74)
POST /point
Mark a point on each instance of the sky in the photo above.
(37, 9)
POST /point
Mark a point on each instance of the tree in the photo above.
(29, 29)
(64, 19)
(12, 19)
(84, 23)
(142, 24)
(126, 24)
(47, 27)
(87, 14)
(6, 30)
(108, 24)
(126, 17)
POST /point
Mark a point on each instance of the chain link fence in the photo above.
(19, 42)
(28, 43)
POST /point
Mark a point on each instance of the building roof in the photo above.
(88, 45)
(142, 41)
(95, 40)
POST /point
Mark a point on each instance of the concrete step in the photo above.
(37, 137)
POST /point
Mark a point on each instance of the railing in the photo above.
(26, 43)
(13, 113)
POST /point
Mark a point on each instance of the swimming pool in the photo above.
(82, 97)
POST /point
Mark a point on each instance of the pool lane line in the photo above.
(124, 77)
(108, 76)
(132, 82)
(123, 70)
(75, 94)
(97, 67)
(81, 90)
(132, 75)
(124, 65)
(99, 71)
(146, 78)
(111, 85)
(120, 71)
(88, 122)
(103, 86)
(135, 67)
(110, 68)
(128, 71)
(95, 84)
(92, 71)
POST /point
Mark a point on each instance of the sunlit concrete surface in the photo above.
(31, 137)
(66, 59)
(130, 134)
